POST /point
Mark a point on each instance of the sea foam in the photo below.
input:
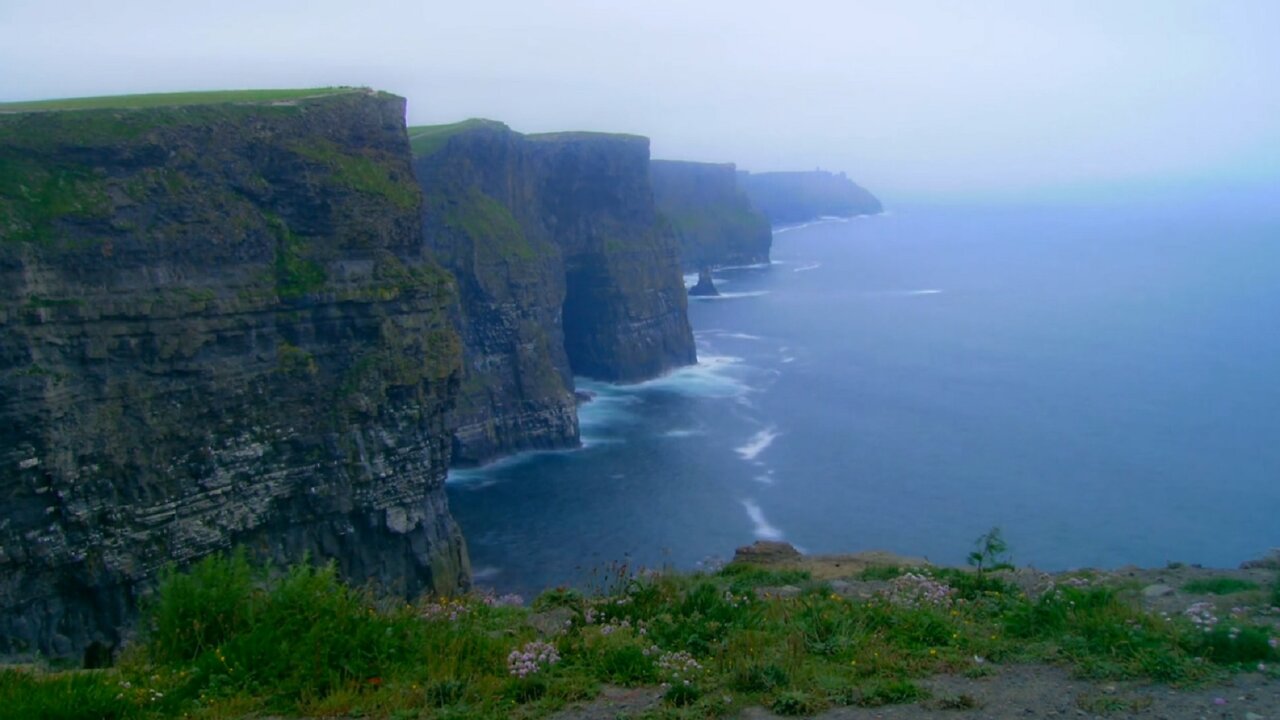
(763, 530)
(757, 444)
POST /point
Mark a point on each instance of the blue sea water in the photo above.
(1100, 383)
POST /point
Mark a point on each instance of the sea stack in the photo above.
(705, 286)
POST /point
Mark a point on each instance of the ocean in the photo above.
(1102, 383)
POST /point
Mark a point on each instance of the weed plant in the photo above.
(228, 639)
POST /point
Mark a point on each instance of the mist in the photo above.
(915, 100)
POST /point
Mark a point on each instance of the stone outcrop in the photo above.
(706, 286)
(712, 217)
(218, 327)
(564, 268)
(787, 197)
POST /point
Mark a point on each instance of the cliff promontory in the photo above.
(480, 218)
(787, 197)
(712, 217)
(564, 267)
(217, 327)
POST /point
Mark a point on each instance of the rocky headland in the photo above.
(790, 197)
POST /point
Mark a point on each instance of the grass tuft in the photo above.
(1218, 586)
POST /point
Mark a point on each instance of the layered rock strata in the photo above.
(564, 265)
(218, 327)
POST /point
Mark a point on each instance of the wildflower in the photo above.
(531, 658)
(914, 590)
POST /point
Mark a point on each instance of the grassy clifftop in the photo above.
(150, 100)
(771, 629)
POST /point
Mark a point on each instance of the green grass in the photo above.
(363, 172)
(1219, 586)
(572, 135)
(229, 639)
(130, 102)
(427, 139)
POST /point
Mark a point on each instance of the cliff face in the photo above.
(798, 196)
(564, 267)
(712, 217)
(480, 218)
(625, 309)
(217, 327)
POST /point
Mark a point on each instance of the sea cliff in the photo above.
(714, 220)
(565, 267)
(219, 328)
(788, 197)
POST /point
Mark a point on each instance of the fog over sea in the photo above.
(1102, 383)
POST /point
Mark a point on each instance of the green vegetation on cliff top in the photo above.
(230, 640)
(427, 139)
(571, 135)
(125, 102)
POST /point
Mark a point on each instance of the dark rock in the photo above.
(713, 218)
(217, 328)
(625, 308)
(763, 552)
(706, 287)
(481, 218)
(564, 267)
(1270, 561)
(787, 197)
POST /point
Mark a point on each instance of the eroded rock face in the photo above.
(481, 220)
(625, 310)
(218, 327)
(712, 217)
(564, 268)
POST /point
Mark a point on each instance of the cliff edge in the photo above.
(218, 328)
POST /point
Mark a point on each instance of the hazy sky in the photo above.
(912, 98)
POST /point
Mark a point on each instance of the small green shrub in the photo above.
(881, 572)
(525, 690)
(891, 692)
(445, 692)
(744, 577)
(992, 552)
(682, 695)
(795, 702)
(759, 677)
(626, 665)
(1232, 644)
(1218, 586)
(197, 610)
